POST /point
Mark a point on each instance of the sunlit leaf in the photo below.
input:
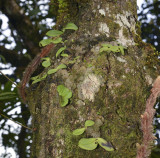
(60, 51)
(57, 40)
(70, 26)
(89, 123)
(54, 33)
(45, 42)
(104, 144)
(65, 94)
(64, 55)
(46, 63)
(88, 143)
(78, 131)
(52, 71)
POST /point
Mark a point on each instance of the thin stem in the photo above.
(8, 78)
(16, 122)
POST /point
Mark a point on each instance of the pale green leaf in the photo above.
(46, 63)
(121, 49)
(54, 33)
(89, 123)
(88, 143)
(65, 94)
(78, 131)
(61, 66)
(104, 49)
(38, 78)
(104, 144)
(63, 91)
(64, 55)
(57, 40)
(60, 89)
(45, 42)
(60, 51)
(44, 76)
(70, 26)
(63, 102)
(35, 77)
(52, 71)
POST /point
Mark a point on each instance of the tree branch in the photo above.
(23, 25)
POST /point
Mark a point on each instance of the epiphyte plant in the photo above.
(65, 94)
(81, 130)
(91, 143)
(110, 48)
(55, 38)
(55, 35)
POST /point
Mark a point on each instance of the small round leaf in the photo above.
(89, 123)
(88, 143)
(71, 26)
(46, 63)
(104, 144)
(78, 131)
(45, 42)
(54, 33)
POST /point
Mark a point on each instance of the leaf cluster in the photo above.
(91, 143)
(109, 48)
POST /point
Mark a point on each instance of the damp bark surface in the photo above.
(109, 88)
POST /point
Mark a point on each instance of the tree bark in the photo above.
(109, 88)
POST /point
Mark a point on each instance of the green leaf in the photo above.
(70, 26)
(45, 42)
(64, 55)
(78, 131)
(104, 144)
(44, 76)
(7, 95)
(57, 40)
(35, 77)
(121, 49)
(46, 63)
(61, 66)
(109, 48)
(38, 78)
(88, 143)
(65, 94)
(63, 101)
(60, 51)
(54, 33)
(89, 123)
(52, 71)
(63, 91)
(74, 60)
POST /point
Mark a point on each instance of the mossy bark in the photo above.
(108, 88)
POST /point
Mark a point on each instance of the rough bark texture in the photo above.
(110, 89)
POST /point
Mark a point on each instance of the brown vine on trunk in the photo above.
(144, 150)
(31, 68)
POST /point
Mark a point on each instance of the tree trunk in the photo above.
(109, 88)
